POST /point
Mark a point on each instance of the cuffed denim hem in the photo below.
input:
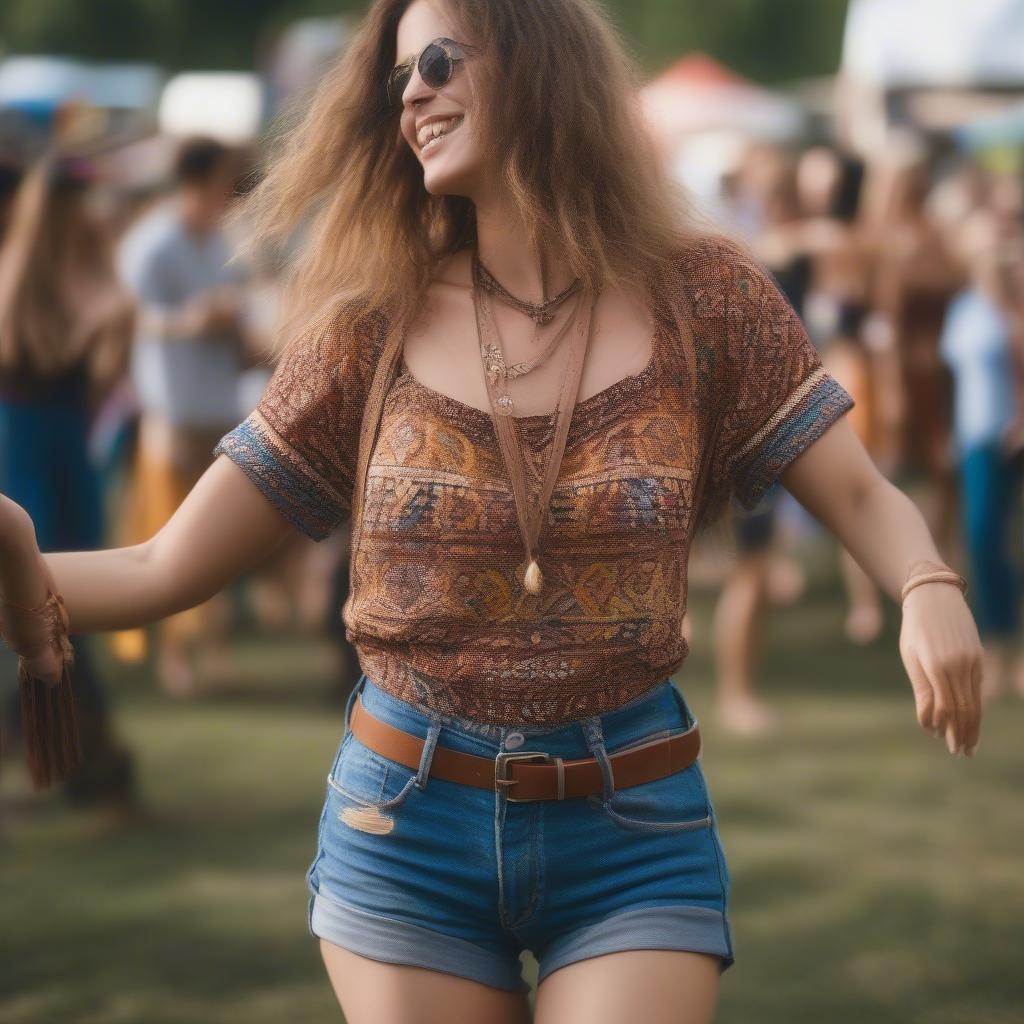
(689, 929)
(399, 942)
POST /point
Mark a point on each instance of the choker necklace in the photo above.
(541, 312)
(498, 372)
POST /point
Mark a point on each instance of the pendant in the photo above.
(534, 579)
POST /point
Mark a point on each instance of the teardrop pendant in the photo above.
(533, 580)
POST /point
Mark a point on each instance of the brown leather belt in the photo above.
(536, 775)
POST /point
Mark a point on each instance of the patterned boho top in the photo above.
(436, 612)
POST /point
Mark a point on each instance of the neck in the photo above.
(504, 247)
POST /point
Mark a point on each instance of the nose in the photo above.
(416, 91)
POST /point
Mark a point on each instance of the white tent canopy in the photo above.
(899, 43)
(697, 94)
(225, 104)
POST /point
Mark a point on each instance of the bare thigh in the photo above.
(370, 992)
(656, 986)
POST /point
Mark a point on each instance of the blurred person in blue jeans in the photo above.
(977, 345)
(65, 326)
(186, 367)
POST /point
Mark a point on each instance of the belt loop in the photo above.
(688, 720)
(594, 735)
(356, 690)
(427, 757)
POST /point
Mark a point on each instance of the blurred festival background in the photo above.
(871, 153)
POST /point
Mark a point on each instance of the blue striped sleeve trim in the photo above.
(300, 495)
(798, 422)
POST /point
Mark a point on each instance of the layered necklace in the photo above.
(531, 498)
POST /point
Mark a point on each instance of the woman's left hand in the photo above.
(942, 654)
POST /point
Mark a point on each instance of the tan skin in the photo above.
(225, 527)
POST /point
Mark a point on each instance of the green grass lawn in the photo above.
(875, 878)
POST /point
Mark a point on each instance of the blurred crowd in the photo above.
(131, 340)
(908, 272)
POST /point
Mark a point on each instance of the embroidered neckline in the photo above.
(586, 414)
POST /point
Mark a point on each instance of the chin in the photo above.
(451, 173)
(445, 182)
(443, 188)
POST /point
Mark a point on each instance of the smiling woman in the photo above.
(588, 379)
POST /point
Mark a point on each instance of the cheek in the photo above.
(407, 131)
(468, 148)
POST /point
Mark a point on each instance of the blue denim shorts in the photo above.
(413, 869)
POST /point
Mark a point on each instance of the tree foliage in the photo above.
(769, 40)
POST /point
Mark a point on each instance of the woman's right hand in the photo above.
(30, 626)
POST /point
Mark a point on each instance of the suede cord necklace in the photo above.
(531, 502)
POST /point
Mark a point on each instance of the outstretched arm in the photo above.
(223, 527)
(837, 482)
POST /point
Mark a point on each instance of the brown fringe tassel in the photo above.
(49, 723)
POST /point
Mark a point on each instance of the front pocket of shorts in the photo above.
(363, 778)
(674, 803)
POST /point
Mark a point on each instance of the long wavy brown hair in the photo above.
(561, 126)
(48, 242)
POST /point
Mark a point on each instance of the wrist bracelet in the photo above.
(37, 610)
(939, 576)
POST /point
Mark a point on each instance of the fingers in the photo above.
(963, 677)
(946, 709)
(974, 732)
(46, 665)
(924, 695)
(948, 699)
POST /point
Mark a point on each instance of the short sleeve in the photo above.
(774, 397)
(299, 444)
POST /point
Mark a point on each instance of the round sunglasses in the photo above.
(435, 63)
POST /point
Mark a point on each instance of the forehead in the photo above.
(422, 22)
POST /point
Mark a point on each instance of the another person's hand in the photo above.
(942, 653)
(32, 624)
(222, 310)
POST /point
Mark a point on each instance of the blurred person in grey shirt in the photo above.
(187, 361)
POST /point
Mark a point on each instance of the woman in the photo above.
(917, 277)
(482, 798)
(977, 346)
(839, 238)
(64, 332)
(751, 586)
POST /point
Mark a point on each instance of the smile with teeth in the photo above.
(430, 134)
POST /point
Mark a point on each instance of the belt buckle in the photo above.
(501, 762)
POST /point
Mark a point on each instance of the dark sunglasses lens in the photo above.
(435, 66)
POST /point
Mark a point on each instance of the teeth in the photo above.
(436, 129)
